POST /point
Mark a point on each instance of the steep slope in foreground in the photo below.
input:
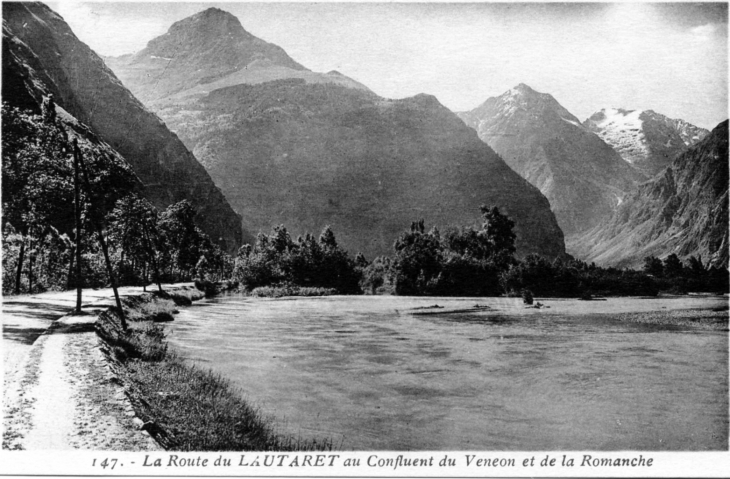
(647, 140)
(204, 52)
(683, 210)
(582, 177)
(39, 48)
(307, 155)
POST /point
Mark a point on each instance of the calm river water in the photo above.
(370, 375)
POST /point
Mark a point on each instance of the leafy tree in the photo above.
(377, 275)
(673, 266)
(417, 261)
(134, 228)
(498, 232)
(37, 187)
(182, 239)
(653, 266)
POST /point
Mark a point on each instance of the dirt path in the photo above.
(58, 390)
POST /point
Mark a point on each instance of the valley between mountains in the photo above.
(336, 269)
(340, 155)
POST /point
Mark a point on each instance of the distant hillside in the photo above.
(307, 155)
(204, 52)
(311, 149)
(42, 55)
(683, 210)
(583, 178)
(647, 140)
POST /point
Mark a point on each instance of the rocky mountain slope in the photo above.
(583, 178)
(41, 55)
(647, 140)
(204, 52)
(683, 210)
(307, 154)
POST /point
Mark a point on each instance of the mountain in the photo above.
(307, 155)
(207, 51)
(583, 177)
(311, 153)
(683, 210)
(647, 140)
(41, 55)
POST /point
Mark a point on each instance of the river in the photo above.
(369, 374)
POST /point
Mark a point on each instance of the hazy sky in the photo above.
(669, 57)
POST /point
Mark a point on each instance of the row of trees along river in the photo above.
(72, 218)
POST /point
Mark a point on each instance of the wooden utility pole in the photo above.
(77, 213)
(100, 236)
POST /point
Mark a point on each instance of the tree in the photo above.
(417, 260)
(37, 185)
(134, 228)
(183, 240)
(653, 266)
(673, 266)
(497, 231)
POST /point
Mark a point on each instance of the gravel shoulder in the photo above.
(58, 389)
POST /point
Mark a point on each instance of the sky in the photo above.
(668, 57)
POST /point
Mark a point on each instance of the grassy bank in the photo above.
(184, 407)
(289, 290)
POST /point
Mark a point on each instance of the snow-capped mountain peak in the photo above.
(646, 139)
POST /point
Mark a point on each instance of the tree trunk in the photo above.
(71, 268)
(21, 257)
(77, 214)
(100, 237)
(31, 257)
(151, 250)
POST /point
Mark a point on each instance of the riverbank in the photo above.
(184, 407)
(80, 382)
(58, 389)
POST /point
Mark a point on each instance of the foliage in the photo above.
(675, 277)
(307, 262)
(464, 262)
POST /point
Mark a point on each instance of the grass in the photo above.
(149, 307)
(288, 290)
(201, 411)
(183, 296)
(184, 407)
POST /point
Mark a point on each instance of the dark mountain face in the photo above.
(582, 177)
(42, 55)
(683, 210)
(307, 155)
(313, 149)
(647, 140)
(204, 52)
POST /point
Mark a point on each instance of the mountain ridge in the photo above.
(646, 139)
(223, 53)
(683, 210)
(583, 177)
(307, 154)
(40, 49)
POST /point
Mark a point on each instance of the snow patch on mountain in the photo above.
(623, 130)
(645, 139)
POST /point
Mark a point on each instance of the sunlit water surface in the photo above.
(370, 375)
